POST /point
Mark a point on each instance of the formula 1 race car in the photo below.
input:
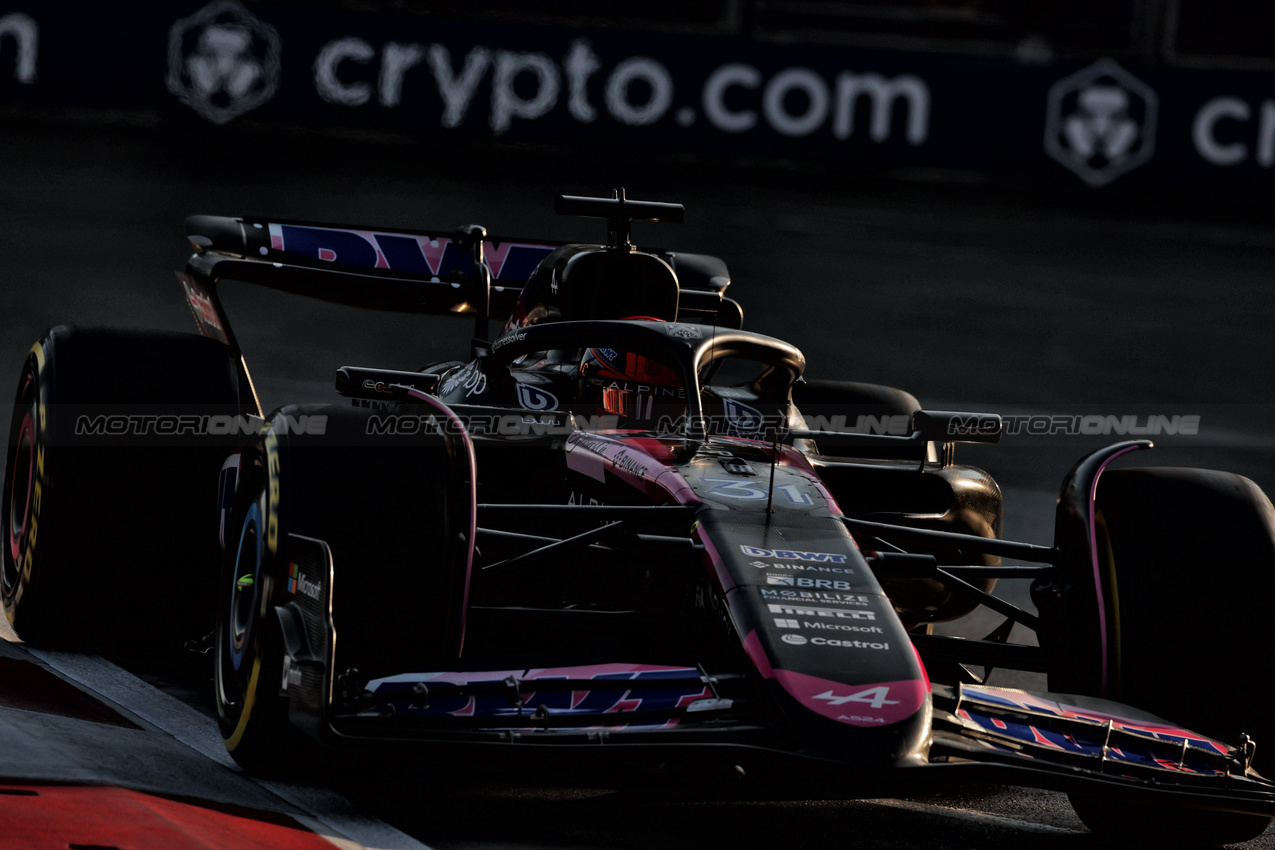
(626, 527)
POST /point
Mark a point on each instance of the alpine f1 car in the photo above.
(626, 526)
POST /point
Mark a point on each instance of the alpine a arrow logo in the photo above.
(875, 697)
(223, 61)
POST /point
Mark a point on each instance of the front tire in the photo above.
(248, 651)
(395, 512)
(1188, 582)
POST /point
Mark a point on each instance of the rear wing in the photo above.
(461, 273)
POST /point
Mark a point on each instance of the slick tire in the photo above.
(1192, 576)
(1193, 554)
(395, 511)
(107, 531)
(248, 645)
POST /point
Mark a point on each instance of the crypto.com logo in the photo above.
(223, 61)
(1101, 122)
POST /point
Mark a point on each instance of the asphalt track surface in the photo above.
(968, 296)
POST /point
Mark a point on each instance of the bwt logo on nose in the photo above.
(794, 555)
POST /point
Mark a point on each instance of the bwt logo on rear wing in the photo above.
(438, 255)
(399, 271)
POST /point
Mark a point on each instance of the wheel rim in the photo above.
(20, 486)
(19, 489)
(236, 641)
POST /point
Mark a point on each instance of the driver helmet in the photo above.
(630, 386)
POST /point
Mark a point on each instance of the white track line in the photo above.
(330, 814)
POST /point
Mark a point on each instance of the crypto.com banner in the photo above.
(1098, 121)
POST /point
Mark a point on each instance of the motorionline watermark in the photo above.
(889, 425)
(134, 427)
(1020, 424)
(138, 427)
(1141, 423)
(529, 424)
(115, 425)
(1100, 425)
(185, 425)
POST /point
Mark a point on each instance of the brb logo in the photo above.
(223, 61)
(1101, 122)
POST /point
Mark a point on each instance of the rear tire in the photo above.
(108, 536)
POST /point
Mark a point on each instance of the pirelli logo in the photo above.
(835, 613)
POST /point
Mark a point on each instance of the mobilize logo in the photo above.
(814, 596)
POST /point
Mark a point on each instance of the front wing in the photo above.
(980, 733)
